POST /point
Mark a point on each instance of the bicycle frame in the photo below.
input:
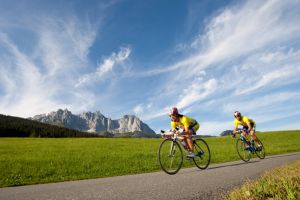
(250, 144)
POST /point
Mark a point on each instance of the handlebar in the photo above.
(171, 134)
(239, 131)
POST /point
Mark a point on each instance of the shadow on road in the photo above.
(238, 163)
(231, 164)
(281, 155)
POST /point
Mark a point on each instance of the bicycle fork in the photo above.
(172, 149)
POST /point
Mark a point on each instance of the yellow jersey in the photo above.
(244, 122)
(185, 122)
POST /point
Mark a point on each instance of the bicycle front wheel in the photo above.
(260, 150)
(202, 154)
(242, 150)
(170, 156)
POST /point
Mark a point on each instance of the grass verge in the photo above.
(281, 184)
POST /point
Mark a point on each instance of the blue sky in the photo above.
(208, 58)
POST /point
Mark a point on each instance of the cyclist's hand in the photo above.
(233, 134)
(162, 133)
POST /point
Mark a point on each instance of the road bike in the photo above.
(170, 154)
(246, 148)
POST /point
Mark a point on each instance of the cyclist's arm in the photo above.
(235, 130)
(186, 130)
(174, 128)
(235, 125)
(186, 125)
(249, 127)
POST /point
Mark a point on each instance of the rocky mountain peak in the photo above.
(95, 122)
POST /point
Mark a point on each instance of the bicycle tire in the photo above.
(243, 153)
(202, 153)
(261, 153)
(170, 156)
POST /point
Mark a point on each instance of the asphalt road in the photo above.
(190, 183)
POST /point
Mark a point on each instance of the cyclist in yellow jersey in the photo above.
(189, 126)
(249, 125)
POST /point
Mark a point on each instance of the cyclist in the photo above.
(189, 126)
(248, 126)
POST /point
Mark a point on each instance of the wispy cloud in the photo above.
(28, 90)
(64, 45)
(196, 92)
(41, 80)
(106, 67)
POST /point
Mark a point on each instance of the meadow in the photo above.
(280, 183)
(41, 160)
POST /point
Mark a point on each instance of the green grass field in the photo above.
(41, 160)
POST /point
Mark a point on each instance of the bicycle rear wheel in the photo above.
(170, 156)
(260, 151)
(202, 154)
(242, 151)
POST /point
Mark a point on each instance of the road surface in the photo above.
(190, 183)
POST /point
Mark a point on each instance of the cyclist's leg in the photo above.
(253, 135)
(188, 140)
(192, 131)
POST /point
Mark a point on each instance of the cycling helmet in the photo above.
(237, 114)
(173, 111)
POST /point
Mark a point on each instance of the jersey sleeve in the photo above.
(246, 120)
(185, 122)
(173, 125)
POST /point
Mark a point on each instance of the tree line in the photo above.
(19, 127)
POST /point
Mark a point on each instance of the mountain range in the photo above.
(95, 122)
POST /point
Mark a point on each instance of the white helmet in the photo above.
(237, 114)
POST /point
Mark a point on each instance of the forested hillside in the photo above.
(20, 127)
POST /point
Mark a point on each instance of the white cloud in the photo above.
(274, 77)
(28, 90)
(106, 67)
(196, 92)
(138, 109)
(63, 45)
(238, 31)
(141, 108)
(41, 80)
(245, 28)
